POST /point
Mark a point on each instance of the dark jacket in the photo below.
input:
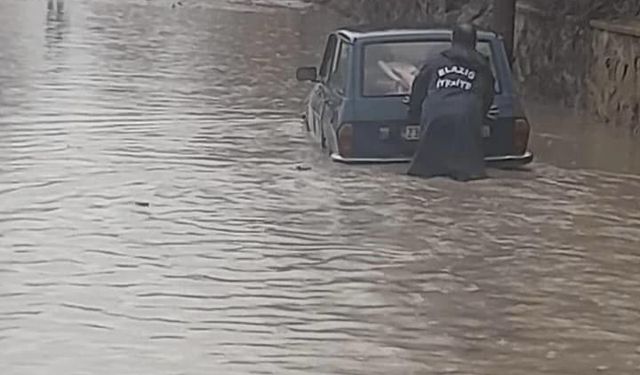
(450, 98)
(426, 82)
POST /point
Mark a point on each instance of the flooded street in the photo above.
(153, 220)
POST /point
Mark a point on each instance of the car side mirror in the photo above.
(307, 74)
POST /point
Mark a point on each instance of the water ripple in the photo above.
(153, 219)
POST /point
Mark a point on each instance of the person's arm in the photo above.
(418, 94)
(489, 93)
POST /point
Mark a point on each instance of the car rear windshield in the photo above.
(390, 67)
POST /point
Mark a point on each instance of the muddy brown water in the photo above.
(153, 220)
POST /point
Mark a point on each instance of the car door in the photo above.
(318, 95)
(335, 89)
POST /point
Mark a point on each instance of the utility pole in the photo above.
(504, 19)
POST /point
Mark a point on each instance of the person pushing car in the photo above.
(450, 97)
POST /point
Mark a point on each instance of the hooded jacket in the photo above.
(450, 99)
(456, 71)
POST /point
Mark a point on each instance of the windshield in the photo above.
(390, 67)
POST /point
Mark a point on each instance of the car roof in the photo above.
(399, 32)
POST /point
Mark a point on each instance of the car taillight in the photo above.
(521, 132)
(345, 140)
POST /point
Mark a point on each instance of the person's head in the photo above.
(465, 35)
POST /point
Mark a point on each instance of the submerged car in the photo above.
(357, 109)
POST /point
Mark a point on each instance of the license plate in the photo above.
(411, 133)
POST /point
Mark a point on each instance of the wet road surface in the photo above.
(153, 220)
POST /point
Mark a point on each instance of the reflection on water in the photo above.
(574, 142)
(55, 7)
(153, 221)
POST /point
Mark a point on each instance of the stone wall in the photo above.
(591, 66)
(477, 11)
(614, 76)
(551, 56)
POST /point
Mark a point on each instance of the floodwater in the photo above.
(153, 220)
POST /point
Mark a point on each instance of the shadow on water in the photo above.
(152, 219)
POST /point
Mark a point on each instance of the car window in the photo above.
(338, 77)
(389, 68)
(327, 58)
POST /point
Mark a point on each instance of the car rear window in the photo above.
(390, 67)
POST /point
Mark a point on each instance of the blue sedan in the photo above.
(357, 109)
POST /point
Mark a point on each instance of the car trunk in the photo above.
(382, 130)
